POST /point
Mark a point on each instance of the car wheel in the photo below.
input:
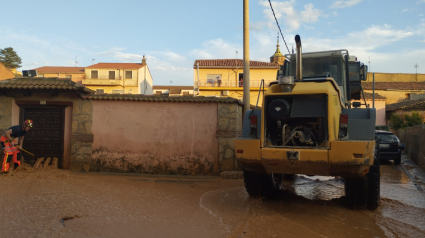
(398, 160)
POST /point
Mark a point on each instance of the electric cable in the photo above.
(279, 27)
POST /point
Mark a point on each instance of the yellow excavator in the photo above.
(308, 125)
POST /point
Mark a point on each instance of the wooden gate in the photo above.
(46, 137)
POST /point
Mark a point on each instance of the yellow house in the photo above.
(5, 73)
(119, 78)
(76, 74)
(224, 77)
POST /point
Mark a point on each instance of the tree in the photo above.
(414, 119)
(406, 120)
(10, 58)
(397, 122)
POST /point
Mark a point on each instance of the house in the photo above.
(405, 107)
(76, 74)
(5, 73)
(224, 77)
(173, 90)
(119, 78)
(395, 92)
(379, 106)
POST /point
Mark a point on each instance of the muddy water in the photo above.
(55, 203)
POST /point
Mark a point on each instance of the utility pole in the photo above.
(246, 77)
(237, 73)
(416, 66)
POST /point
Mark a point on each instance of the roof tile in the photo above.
(115, 66)
(407, 105)
(43, 84)
(394, 85)
(159, 98)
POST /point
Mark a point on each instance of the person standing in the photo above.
(11, 151)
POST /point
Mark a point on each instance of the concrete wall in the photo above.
(155, 137)
(414, 139)
(391, 96)
(5, 113)
(164, 137)
(145, 81)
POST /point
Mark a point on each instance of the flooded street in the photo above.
(56, 203)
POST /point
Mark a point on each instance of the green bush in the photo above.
(406, 120)
(397, 122)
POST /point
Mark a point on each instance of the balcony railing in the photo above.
(102, 82)
(232, 84)
(104, 77)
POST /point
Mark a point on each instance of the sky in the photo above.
(387, 35)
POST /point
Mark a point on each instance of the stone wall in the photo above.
(5, 113)
(414, 141)
(81, 137)
(229, 119)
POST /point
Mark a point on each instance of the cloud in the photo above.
(420, 1)
(217, 48)
(344, 4)
(291, 17)
(404, 10)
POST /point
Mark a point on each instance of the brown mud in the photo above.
(59, 203)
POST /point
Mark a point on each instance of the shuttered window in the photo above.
(99, 91)
(111, 74)
(94, 74)
(128, 74)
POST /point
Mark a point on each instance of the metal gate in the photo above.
(46, 137)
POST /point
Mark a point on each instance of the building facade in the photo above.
(76, 74)
(5, 73)
(224, 77)
(119, 78)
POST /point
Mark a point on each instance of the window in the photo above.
(128, 74)
(68, 76)
(111, 74)
(94, 74)
(213, 79)
(99, 91)
(117, 91)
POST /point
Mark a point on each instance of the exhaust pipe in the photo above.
(299, 59)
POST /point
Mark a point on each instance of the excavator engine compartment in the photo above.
(296, 121)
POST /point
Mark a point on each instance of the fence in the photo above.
(414, 139)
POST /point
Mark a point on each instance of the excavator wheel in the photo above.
(364, 192)
(252, 183)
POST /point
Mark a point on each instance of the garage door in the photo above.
(46, 137)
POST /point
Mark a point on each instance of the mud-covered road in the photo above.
(56, 203)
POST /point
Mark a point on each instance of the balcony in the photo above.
(102, 80)
(231, 84)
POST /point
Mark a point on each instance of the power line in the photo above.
(279, 27)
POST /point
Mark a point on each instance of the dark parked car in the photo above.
(389, 146)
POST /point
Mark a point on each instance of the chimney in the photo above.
(143, 61)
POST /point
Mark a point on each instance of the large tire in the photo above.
(364, 192)
(373, 188)
(252, 183)
(269, 187)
